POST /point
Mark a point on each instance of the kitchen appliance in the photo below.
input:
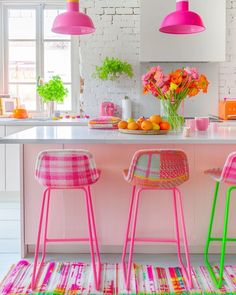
(108, 109)
(227, 109)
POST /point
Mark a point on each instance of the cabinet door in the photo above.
(13, 160)
(2, 160)
(207, 46)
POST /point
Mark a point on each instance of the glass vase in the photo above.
(170, 113)
(50, 109)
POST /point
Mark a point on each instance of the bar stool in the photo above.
(156, 170)
(226, 175)
(62, 170)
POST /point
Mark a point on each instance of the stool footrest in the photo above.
(151, 240)
(67, 240)
(220, 239)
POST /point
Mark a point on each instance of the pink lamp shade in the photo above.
(73, 22)
(182, 21)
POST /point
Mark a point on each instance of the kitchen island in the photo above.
(113, 152)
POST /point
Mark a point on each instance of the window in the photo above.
(31, 50)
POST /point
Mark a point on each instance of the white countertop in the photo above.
(42, 122)
(80, 134)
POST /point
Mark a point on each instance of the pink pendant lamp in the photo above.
(182, 21)
(73, 22)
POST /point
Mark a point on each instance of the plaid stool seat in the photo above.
(66, 168)
(164, 169)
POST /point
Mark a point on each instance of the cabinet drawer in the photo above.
(13, 160)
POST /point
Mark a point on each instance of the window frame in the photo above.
(39, 7)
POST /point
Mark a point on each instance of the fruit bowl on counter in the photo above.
(154, 125)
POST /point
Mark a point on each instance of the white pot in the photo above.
(126, 109)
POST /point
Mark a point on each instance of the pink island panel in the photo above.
(111, 197)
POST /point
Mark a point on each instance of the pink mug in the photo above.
(202, 123)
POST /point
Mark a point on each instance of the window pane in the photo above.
(49, 16)
(26, 94)
(66, 106)
(22, 65)
(22, 23)
(57, 60)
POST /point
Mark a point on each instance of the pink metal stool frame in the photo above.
(133, 211)
(91, 227)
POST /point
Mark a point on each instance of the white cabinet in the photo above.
(13, 160)
(2, 161)
(208, 46)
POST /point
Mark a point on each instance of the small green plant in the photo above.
(112, 69)
(53, 90)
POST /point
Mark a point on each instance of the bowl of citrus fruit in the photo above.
(154, 125)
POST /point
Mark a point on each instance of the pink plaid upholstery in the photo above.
(66, 168)
(226, 174)
(163, 169)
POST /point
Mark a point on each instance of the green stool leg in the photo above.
(210, 226)
(218, 282)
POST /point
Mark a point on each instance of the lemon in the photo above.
(130, 120)
(155, 126)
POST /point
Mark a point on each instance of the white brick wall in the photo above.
(227, 73)
(118, 35)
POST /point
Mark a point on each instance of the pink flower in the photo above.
(164, 89)
(159, 77)
(192, 71)
(153, 70)
(146, 77)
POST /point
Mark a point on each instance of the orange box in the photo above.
(227, 109)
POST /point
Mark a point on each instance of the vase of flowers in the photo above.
(51, 93)
(172, 89)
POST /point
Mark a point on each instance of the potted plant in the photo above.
(111, 70)
(52, 92)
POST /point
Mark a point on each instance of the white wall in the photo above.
(118, 35)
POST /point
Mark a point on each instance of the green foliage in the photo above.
(53, 90)
(112, 69)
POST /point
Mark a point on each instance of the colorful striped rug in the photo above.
(73, 278)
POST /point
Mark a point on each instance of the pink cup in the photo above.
(191, 124)
(202, 123)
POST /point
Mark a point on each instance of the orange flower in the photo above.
(193, 91)
(176, 77)
(145, 89)
(203, 83)
(179, 90)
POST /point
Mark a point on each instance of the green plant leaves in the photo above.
(53, 90)
(112, 69)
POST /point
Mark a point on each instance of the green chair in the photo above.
(226, 175)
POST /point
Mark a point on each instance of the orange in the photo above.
(122, 125)
(165, 125)
(147, 125)
(140, 120)
(139, 125)
(133, 126)
(156, 119)
(20, 113)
